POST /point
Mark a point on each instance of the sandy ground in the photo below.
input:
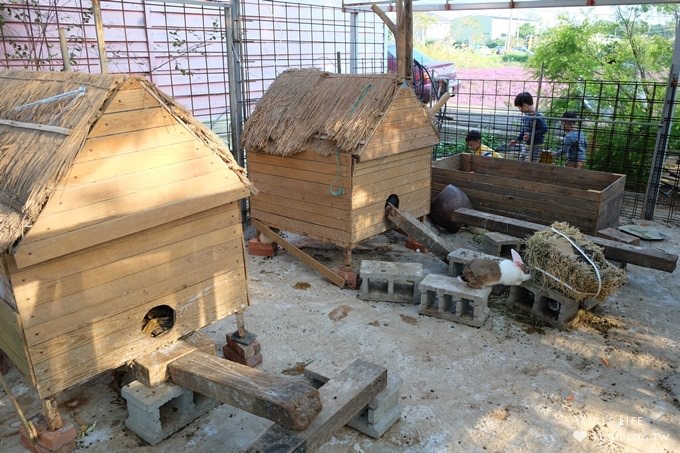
(606, 384)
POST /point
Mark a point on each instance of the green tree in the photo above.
(604, 71)
(421, 23)
(526, 30)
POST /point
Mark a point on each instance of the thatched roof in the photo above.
(40, 140)
(303, 104)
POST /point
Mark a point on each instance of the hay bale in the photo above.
(557, 264)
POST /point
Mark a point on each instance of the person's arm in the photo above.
(566, 146)
(520, 136)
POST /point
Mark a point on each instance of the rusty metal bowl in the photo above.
(445, 203)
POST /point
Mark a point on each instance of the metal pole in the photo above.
(232, 18)
(353, 41)
(662, 135)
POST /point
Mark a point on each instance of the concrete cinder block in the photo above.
(500, 244)
(380, 413)
(446, 297)
(376, 430)
(547, 304)
(460, 257)
(154, 413)
(390, 282)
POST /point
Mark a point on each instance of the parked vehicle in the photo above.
(425, 71)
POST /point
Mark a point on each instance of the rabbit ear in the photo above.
(516, 258)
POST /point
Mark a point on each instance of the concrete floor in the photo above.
(605, 384)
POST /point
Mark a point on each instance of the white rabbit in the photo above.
(487, 272)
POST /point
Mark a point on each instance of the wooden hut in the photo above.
(326, 151)
(121, 225)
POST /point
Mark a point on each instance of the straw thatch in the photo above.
(303, 104)
(556, 263)
(39, 143)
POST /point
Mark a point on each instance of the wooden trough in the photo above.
(326, 151)
(121, 225)
(539, 193)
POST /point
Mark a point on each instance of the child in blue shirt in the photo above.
(575, 144)
(532, 122)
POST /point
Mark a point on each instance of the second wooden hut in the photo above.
(326, 151)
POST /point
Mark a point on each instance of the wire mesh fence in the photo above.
(182, 48)
(619, 120)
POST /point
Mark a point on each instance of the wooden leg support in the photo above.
(346, 270)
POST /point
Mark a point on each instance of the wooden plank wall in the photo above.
(138, 168)
(406, 175)
(295, 194)
(12, 341)
(406, 126)
(83, 313)
(533, 192)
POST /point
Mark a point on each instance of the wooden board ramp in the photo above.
(344, 396)
(291, 403)
(419, 231)
(334, 277)
(613, 250)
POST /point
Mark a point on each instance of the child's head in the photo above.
(524, 102)
(569, 120)
(473, 139)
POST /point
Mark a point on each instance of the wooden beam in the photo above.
(152, 369)
(289, 402)
(36, 126)
(381, 14)
(343, 397)
(335, 278)
(613, 250)
(419, 231)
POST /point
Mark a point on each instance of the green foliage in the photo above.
(526, 30)
(515, 57)
(625, 56)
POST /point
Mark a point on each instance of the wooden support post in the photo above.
(347, 258)
(407, 31)
(99, 31)
(64, 50)
(289, 402)
(52, 415)
(343, 397)
(240, 324)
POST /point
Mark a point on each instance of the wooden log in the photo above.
(419, 231)
(335, 278)
(152, 369)
(343, 397)
(290, 403)
(613, 250)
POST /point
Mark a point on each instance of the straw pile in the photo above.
(303, 104)
(557, 264)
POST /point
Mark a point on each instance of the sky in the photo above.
(547, 16)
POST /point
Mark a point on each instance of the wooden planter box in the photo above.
(540, 193)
